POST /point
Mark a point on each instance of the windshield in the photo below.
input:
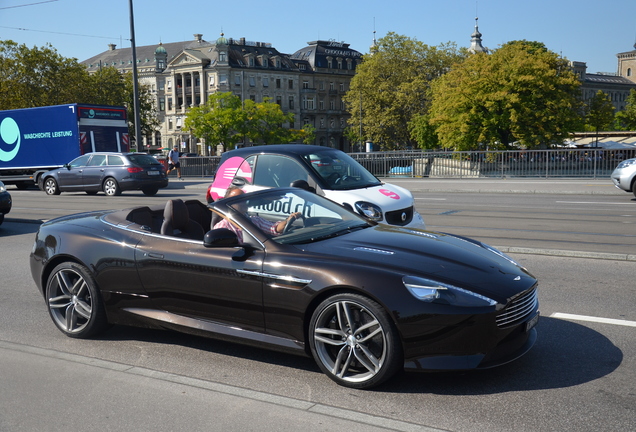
(318, 219)
(340, 171)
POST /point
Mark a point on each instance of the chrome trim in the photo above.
(285, 278)
(373, 250)
(518, 309)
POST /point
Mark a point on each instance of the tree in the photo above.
(220, 121)
(265, 122)
(521, 93)
(32, 77)
(390, 87)
(599, 113)
(626, 119)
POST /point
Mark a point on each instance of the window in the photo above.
(277, 82)
(237, 80)
(290, 83)
(222, 56)
(253, 98)
(291, 102)
(162, 104)
(342, 88)
(97, 160)
(223, 79)
(277, 171)
(322, 85)
(332, 86)
(114, 160)
(321, 105)
(252, 81)
(162, 85)
(211, 80)
(169, 104)
(305, 84)
(308, 103)
(279, 100)
(265, 82)
(332, 104)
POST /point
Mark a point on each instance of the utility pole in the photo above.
(138, 139)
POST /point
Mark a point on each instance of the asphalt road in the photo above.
(579, 376)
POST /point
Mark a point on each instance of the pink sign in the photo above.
(390, 194)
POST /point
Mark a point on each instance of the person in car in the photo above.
(269, 227)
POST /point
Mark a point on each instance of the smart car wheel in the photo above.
(50, 186)
(74, 301)
(111, 187)
(354, 341)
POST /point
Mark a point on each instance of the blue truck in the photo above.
(36, 140)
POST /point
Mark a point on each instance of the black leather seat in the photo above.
(177, 222)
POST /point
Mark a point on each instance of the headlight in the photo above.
(626, 163)
(2, 188)
(437, 292)
(369, 211)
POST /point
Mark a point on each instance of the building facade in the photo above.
(309, 83)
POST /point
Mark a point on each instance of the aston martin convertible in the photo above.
(289, 270)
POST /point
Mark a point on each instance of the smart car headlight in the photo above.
(369, 210)
(438, 292)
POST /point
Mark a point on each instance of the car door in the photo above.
(69, 177)
(94, 172)
(185, 278)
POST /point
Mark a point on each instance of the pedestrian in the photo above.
(173, 161)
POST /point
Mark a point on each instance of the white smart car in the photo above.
(329, 172)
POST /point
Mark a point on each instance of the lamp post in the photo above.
(135, 85)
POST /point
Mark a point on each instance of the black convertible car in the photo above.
(290, 270)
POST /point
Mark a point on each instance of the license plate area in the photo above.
(153, 173)
(532, 322)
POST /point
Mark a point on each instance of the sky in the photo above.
(580, 30)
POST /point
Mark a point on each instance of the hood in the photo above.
(388, 196)
(446, 258)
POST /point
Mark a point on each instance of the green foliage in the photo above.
(32, 77)
(599, 112)
(264, 123)
(220, 121)
(391, 84)
(521, 94)
(225, 120)
(626, 119)
(423, 132)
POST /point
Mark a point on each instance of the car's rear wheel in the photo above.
(150, 191)
(74, 301)
(111, 187)
(51, 187)
(354, 341)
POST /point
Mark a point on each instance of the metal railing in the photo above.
(582, 163)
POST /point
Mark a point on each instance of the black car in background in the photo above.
(5, 202)
(111, 173)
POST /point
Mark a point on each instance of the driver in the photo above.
(273, 228)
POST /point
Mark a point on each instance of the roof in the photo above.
(286, 149)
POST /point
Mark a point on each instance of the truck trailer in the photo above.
(36, 140)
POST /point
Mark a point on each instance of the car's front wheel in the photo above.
(354, 341)
(51, 187)
(111, 187)
(74, 301)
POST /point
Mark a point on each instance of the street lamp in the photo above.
(135, 85)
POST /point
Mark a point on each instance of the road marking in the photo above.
(432, 199)
(595, 202)
(566, 316)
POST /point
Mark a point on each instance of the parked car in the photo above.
(329, 172)
(364, 299)
(624, 176)
(111, 173)
(5, 202)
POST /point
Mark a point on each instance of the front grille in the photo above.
(399, 217)
(518, 309)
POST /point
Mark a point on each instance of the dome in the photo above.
(222, 40)
(160, 49)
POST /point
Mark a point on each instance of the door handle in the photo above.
(153, 255)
